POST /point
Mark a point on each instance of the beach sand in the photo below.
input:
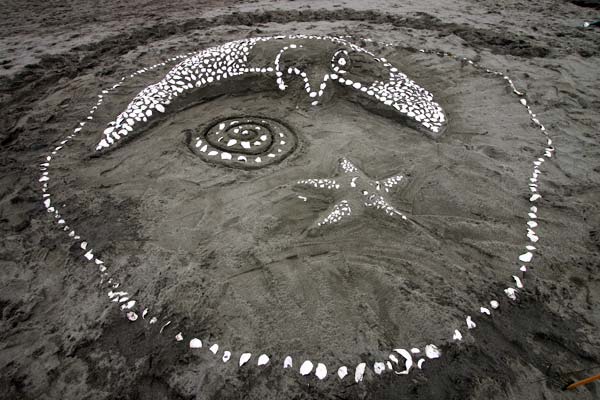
(231, 255)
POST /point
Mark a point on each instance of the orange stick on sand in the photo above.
(583, 382)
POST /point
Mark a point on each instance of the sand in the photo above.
(231, 255)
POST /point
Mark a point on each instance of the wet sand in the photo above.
(227, 254)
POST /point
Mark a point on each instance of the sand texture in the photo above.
(233, 252)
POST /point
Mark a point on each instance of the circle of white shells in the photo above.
(214, 64)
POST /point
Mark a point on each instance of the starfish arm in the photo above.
(379, 203)
(340, 211)
(318, 183)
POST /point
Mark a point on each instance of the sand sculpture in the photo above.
(257, 141)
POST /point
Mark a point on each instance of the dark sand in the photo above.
(228, 255)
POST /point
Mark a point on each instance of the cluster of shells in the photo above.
(217, 63)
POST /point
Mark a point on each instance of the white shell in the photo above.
(379, 367)
(214, 348)
(244, 358)
(518, 281)
(359, 372)
(408, 360)
(179, 337)
(195, 343)
(431, 351)
(494, 304)
(457, 335)
(485, 311)
(263, 359)
(226, 356)
(511, 293)
(342, 372)
(321, 371)
(132, 316)
(470, 323)
(306, 367)
(287, 363)
(526, 257)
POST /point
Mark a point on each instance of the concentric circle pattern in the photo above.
(245, 142)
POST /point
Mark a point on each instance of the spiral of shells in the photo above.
(248, 142)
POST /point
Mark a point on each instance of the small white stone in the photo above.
(494, 304)
(342, 372)
(179, 337)
(287, 363)
(195, 343)
(485, 311)
(214, 348)
(226, 356)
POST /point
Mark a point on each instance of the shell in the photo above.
(226, 356)
(306, 368)
(470, 323)
(359, 372)
(263, 359)
(321, 371)
(244, 358)
(432, 351)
